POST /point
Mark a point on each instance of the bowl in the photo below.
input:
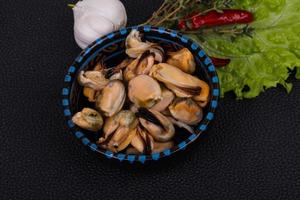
(111, 48)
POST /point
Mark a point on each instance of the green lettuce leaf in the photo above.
(298, 74)
(263, 61)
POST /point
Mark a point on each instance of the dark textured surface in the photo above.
(251, 151)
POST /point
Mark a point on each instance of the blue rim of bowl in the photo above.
(87, 55)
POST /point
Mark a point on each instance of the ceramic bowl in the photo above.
(111, 48)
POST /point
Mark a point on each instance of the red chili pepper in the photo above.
(214, 18)
(220, 62)
(182, 25)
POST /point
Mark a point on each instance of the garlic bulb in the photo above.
(96, 18)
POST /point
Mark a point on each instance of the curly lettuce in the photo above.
(298, 74)
(265, 60)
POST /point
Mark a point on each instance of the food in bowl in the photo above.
(138, 103)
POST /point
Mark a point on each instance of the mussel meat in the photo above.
(141, 65)
(182, 59)
(135, 47)
(143, 141)
(112, 98)
(118, 131)
(159, 126)
(144, 91)
(88, 119)
(186, 110)
(167, 98)
(181, 83)
(92, 79)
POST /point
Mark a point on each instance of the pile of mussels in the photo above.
(138, 102)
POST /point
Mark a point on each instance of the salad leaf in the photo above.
(298, 74)
(263, 60)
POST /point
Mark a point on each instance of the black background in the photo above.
(251, 151)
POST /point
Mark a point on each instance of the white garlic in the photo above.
(96, 18)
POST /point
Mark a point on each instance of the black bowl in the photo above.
(111, 48)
